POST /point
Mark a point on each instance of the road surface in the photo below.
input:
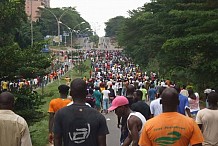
(113, 139)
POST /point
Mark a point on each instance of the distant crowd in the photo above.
(150, 111)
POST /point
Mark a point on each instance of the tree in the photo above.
(180, 35)
(28, 63)
(81, 68)
(10, 19)
(113, 26)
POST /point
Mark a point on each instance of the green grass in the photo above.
(39, 130)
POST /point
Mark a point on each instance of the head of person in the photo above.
(90, 91)
(137, 95)
(97, 88)
(78, 90)
(177, 88)
(168, 82)
(120, 104)
(170, 100)
(152, 85)
(213, 98)
(130, 89)
(6, 101)
(63, 89)
(183, 86)
(160, 91)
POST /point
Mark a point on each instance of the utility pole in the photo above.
(31, 21)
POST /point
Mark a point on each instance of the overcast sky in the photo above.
(97, 12)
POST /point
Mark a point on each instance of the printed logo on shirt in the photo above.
(170, 139)
(79, 131)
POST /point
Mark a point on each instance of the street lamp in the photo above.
(31, 21)
(57, 19)
(71, 37)
(71, 31)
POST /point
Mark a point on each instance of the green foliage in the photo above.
(113, 26)
(178, 38)
(94, 39)
(27, 104)
(29, 63)
(81, 67)
(10, 20)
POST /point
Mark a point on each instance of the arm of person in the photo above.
(144, 138)
(199, 144)
(118, 121)
(57, 140)
(134, 123)
(199, 120)
(102, 140)
(102, 131)
(58, 129)
(187, 109)
(128, 140)
(51, 123)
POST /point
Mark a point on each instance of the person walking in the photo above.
(207, 121)
(14, 130)
(193, 99)
(106, 94)
(55, 105)
(144, 91)
(112, 94)
(135, 120)
(155, 106)
(98, 98)
(152, 93)
(140, 105)
(79, 124)
(183, 107)
(170, 127)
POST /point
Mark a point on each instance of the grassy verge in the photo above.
(39, 130)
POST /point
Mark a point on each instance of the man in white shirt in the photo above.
(207, 119)
(105, 100)
(155, 106)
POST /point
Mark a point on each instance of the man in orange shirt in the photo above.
(170, 128)
(55, 105)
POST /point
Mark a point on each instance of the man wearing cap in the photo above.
(55, 105)
(171, 127)
(135, 120)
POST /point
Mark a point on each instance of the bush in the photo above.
(27, 104)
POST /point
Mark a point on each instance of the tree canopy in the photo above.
(176, 38)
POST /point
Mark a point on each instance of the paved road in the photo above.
(113, 139)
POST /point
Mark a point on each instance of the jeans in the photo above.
(105, 103)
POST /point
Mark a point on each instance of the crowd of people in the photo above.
(150, 111)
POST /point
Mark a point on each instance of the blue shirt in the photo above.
(152, 93)
(183, 103)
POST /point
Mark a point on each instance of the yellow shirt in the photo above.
(67, 79)
(14, 130)
(4, 85)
